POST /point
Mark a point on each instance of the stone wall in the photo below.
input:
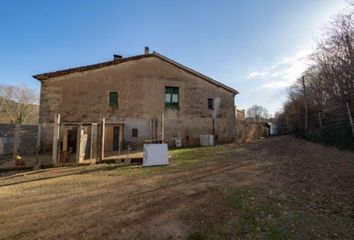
(83, 97)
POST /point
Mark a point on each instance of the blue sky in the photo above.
(257, 47)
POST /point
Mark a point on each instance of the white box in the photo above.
(206, 140)
(155, 154)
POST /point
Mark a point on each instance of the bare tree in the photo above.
(329, 87)
(257, 112)
(18, 104)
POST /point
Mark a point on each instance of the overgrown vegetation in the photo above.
(320, 105)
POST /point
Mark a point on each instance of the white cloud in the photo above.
(257, 74)
(281, 84)
(284, 72)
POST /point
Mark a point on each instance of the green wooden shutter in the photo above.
(113, 99)
(168, 96)
(172, 97)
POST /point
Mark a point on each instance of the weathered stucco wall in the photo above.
(83, 97)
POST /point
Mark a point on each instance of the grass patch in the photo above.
(264, 216)
(259, 216)
(23, 234)
(278, 234)
(181, 160)
(195, 236)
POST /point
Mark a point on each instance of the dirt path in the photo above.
(278, 188)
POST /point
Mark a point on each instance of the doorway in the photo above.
(115, 138)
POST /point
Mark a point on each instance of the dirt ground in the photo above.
(276, 188)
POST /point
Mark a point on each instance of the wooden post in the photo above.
(38, 144)
(103, 129)
(16, 141)
(120, 139)
(56, 129)
(162, 128)
(78, 144)
(305, 103)
(93, 147)
(350, 118)
(155, 129)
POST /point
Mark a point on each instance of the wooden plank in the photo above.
(65, 140)
(83, 143)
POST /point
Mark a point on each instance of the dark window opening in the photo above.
(72, 135)
(172, 97)
(211, 103)
(113, 99)
(115, 138)
(134, 132)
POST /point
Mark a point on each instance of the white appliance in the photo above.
(206, 140)
(178, 142)
(155, 154)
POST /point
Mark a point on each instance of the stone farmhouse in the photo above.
(143, 98)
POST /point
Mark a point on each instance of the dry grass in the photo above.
(278, 188)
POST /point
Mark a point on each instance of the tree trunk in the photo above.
(305, 103)
(350, 118)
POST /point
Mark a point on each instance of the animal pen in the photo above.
(18, 141)
(85, 142)
(90, 143)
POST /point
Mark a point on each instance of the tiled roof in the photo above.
(45, 76)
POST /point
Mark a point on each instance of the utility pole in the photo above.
(305, 103)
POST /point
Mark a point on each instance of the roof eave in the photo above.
(45, 76)
(217, 83)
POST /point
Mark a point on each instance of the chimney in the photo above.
(117, 57)
(146, 50)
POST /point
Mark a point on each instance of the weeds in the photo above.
(259, 215)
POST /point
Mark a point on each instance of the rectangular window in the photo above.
(211, 103)
(113, 99)
(172, 97)
(134, 132)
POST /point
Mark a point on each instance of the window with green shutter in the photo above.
(172, 97)
(113, 99)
